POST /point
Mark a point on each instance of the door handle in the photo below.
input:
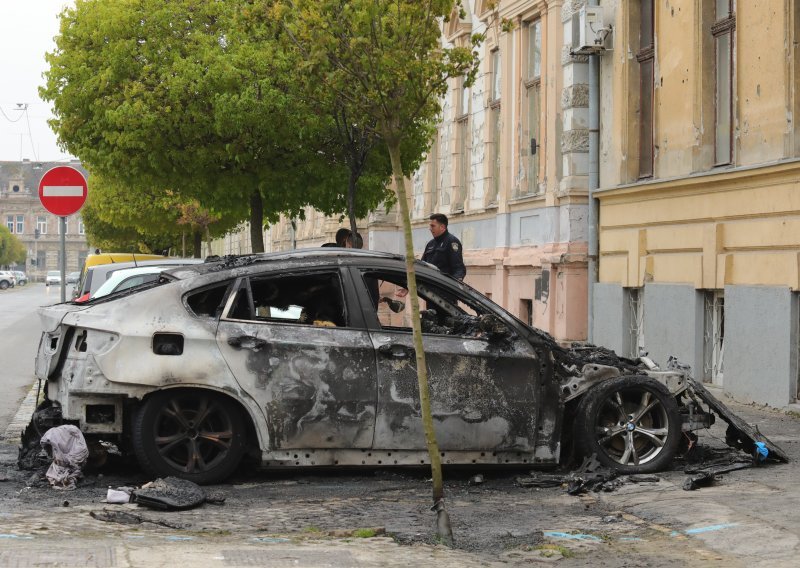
(395, 351)
(246, 342)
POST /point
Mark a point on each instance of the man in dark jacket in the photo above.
(444, 251)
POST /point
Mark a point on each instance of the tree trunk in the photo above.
(197, 243)
(443, 520)
(256, 222)
(208, 240)
(183, 244)
(351, 204)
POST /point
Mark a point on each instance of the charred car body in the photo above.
(292, 357)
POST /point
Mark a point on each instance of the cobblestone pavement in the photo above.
(302, 518)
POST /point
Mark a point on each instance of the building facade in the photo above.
(700, 190)
(38, 230)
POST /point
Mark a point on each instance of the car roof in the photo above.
(326, 255)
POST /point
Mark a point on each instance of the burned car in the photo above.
(306, 359)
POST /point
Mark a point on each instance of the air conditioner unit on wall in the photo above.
(589, 35)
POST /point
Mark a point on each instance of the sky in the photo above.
(27, 29)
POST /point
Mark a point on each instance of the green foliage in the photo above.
(12, 251)
(120, 218)
(198, 97)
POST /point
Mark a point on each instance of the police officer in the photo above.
(444, 250)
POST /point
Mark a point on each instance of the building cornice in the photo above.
(717, 180)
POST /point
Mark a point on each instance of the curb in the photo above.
(22, 417)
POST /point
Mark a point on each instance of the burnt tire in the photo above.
(192, 434)
(632, 424)
(4, 284)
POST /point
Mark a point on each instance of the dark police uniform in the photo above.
(445, 253)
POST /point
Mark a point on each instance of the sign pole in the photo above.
(63, 221)
(62, 191)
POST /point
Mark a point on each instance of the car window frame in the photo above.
(353, 315)
(371, 314)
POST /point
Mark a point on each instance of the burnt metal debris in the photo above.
(708, 475)
(169, 494)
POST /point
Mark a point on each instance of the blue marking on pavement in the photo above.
(630, 538)
(710, 528)
(269, 539)
(5, 535)
(573, 536)
(178, 538)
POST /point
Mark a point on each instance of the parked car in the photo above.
(22, 278)
(98, 274)
(73, 277)
(128, 278)
(287, 357)
(7, 279)
(52, 277)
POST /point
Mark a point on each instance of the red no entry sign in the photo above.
(62, 191)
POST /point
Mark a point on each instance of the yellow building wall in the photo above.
(695, 223)
(732, 228)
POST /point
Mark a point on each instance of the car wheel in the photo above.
(196, 435)
(3, 284)
(632, 424)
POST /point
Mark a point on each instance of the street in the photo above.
(380, 517)
(19, 329)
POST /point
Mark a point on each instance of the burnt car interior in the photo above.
(305, 299)
(442, 313)
(208, 302)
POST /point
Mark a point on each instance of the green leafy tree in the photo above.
(386, 60)
(187, 95)
(12, 251)
(148, 220)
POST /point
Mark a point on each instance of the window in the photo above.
(442, 313)
(526, 311)
(41, 224)
(434, 168)
(723, 32)
(533, 80)
(307, 299)
(41, 260)
(81, 228)
(15, 189)
(20, 224)
(646, 58)
(497, 76)
(462, 129)
(10, 223)
(463, 104)
(208, 302)
(714, 336)
(495, 126)
(636, 330)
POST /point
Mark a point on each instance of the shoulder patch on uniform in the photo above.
(455, 246)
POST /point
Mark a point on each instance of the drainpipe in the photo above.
(594, 178)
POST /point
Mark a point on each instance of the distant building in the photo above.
(23, 215)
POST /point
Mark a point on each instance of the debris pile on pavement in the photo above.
(591, 475)
(168, 494)
(67, 448)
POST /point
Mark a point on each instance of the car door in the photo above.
(483, 386)
(297, 347)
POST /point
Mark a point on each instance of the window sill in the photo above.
(526, 198)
